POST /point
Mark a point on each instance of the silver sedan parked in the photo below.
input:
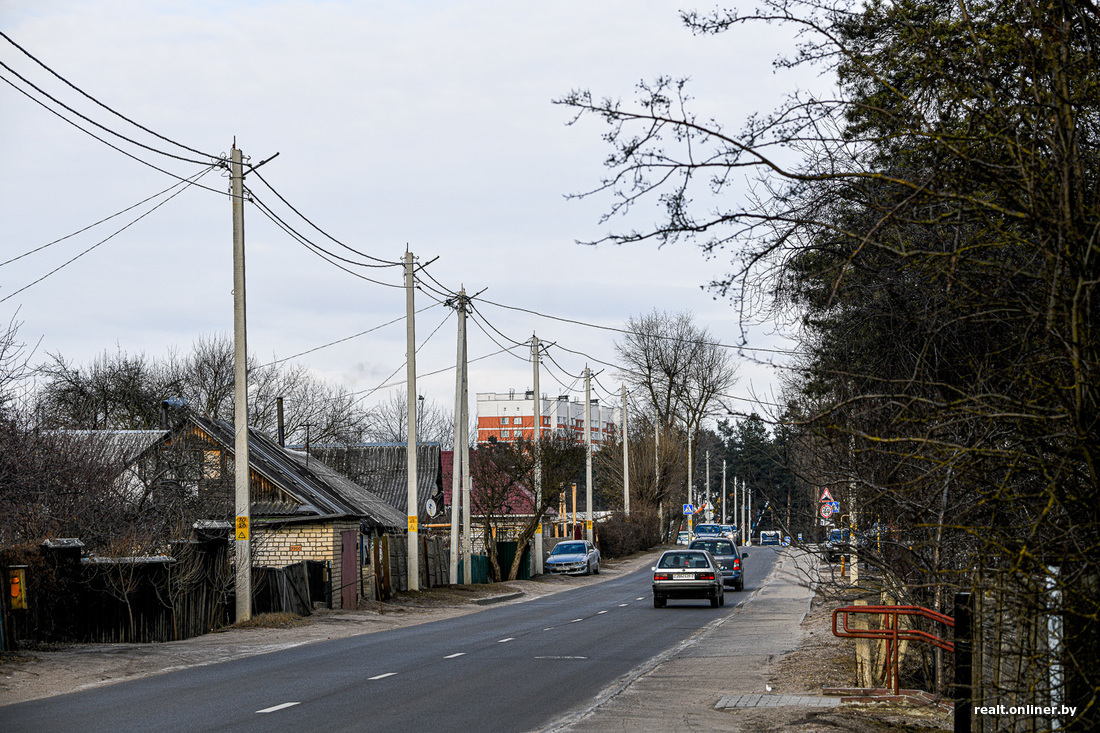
(573, 557)
(687, 574)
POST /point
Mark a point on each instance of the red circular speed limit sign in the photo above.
(826, 511)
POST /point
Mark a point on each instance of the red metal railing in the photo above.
(892, 634)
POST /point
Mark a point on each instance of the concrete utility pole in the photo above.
(710, 516)
(467, 525)
(538, 457)
(626, 461)
(725, 517)
(657, 473)
(691, 493)
(456, 460)
(242, 499)
(748, 528)
(410, 442)
(588, 528)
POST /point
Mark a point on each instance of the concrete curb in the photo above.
(499, 599)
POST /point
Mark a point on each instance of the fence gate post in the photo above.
(964, 677)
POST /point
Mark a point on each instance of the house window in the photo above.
(505, 433)
(211, 465)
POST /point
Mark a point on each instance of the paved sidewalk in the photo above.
(709, 681)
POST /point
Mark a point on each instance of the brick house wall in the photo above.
(291, 543)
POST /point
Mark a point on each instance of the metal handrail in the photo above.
(892, 634)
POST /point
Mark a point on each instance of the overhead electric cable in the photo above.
(310, 245)
(108, 143)
(490, 336)
(103, 241)
(307, 220)
(346, 338)
(90, 121)
(625, 331)
(91, 226)
(8, 38)
(395, 371)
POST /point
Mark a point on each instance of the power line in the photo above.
(110, 144)
(103, 241)
(384, 262)
(627, 332)
(309, 245)
(346, 338)
(91, 226)
(101, 104)
(90, 121)
(403, 364)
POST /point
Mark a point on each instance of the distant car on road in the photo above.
(687, 574)
(707, 530)
(771, 537)
(573, 557)
(683, 538)
(837, 544)
(728, 530)
(726, 554)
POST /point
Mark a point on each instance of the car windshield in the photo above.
(714, 547)
(708, 529)
(673, 560)
(569, 548)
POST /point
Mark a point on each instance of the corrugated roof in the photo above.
(319, 489)
(123, 446)
(382, 468)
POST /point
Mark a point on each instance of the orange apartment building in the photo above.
(507, 417)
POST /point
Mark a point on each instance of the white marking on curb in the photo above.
(456, 654)
(278, 707)
(382, 676)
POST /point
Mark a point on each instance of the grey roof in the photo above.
(319, 490)
(382, 468)
(123, 446)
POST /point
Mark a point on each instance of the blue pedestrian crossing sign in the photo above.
(689, 508)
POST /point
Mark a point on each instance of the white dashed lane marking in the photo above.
(278, 707)
(510, 638)
(382, 676)
(456, 654)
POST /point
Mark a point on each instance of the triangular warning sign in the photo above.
(826, 496)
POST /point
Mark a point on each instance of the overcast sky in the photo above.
(426, 125)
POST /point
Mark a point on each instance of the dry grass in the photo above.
(269, 621)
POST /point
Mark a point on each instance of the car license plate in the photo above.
(683, 576)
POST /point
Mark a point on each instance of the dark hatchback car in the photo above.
(728, 557)
(687, 574)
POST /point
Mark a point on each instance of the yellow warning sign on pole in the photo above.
(412, 523)
(588, 524)
(242, 528)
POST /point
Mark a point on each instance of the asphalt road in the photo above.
(516, 667)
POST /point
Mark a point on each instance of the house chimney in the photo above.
(282, 427)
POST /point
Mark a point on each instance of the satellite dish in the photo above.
(432, 507)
